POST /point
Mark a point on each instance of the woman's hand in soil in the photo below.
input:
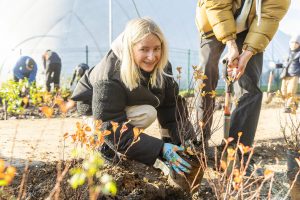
(176, 162)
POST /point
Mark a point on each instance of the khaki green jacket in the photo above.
(215, 17)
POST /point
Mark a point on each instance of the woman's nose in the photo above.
(151, 55)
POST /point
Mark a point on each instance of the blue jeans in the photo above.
(245, 114)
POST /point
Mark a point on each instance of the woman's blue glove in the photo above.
(176, 162)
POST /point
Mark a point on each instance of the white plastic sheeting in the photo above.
(29, 27)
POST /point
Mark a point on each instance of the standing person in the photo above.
(25, 68)
(52, 66)
(78, 73)
(132, 86)
(245, 27)
(289, 84)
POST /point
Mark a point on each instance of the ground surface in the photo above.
(41, 142)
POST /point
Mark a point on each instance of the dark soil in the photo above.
(134, 181)
(137, 181)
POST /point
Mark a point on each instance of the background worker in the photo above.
(289, 84)
(78, 73)
(52, 66)
(25, 68)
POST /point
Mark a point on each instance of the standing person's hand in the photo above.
(243, 61)
(176, 162)
(233, 54)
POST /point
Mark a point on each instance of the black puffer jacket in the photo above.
(110, 96)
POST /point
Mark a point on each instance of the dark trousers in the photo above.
(245, 113)
(53, 75)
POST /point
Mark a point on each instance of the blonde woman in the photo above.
(132, 84)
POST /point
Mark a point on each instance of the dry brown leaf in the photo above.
(47, 111)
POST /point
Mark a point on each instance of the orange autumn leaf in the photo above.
(92, 140)
(237, 179)
(87, 128)
(78, 125)
(25, 100)
(236, 186)
(115, 126)
(47, 111)
(83, 140)
(190, 151)
(268, 173)
(11, 171)
(66, 135)
(240, 134)
(231, 153)
(203, 77)
(2, 166)
(203, 93)
(98, 124)
(8, 178)
(100, 141)
(244, 149)
(63, 108)
(223, 165)
(136, 132)
(47, 97)
(236, 172)
(213, 94)
(74, 137)
(124, 128)
(106, 132)
(58, 100)
(201, 86)
(101, 135)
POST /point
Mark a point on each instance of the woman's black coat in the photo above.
(110, 96)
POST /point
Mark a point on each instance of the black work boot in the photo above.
(108, 154)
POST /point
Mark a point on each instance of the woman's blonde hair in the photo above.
(135, 31)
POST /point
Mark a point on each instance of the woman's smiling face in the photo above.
(147, 52)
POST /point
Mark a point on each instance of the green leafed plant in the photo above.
(13, 95)
(90, 173)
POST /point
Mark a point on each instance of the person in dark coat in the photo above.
(25, 68)
(52, 66)
(78, 73)
(132, 86)
(289, 84)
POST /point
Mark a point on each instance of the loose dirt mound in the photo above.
(138, 181)
(134, 181)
